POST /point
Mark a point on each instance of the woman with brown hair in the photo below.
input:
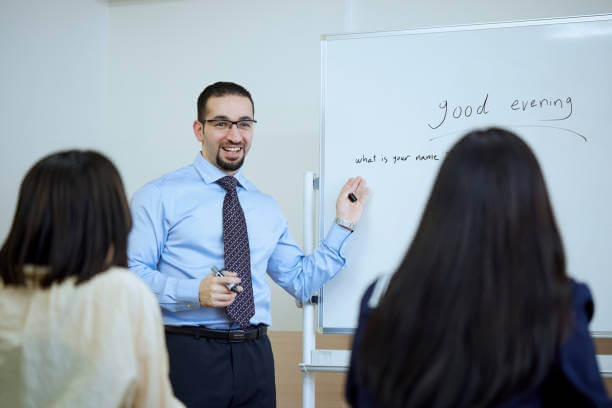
(77, 329)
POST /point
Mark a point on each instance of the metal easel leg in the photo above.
(308, 331)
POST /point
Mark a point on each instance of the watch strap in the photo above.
(346, 224)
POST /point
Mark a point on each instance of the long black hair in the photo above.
(479, 304)
(72, 217)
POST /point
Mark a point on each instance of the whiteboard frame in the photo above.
(425, 30)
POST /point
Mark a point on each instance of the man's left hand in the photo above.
(347, 209)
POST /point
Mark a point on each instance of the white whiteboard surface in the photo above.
(383, 96)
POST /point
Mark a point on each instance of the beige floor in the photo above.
(329, 387)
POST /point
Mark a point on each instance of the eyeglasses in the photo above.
(226, 125)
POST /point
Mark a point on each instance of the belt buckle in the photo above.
(237, 336)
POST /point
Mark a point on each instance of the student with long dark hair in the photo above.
(481, 312)
(77, 329)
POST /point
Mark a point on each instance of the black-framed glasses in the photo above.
(225, 124)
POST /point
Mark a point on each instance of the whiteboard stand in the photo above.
(314, 360)
(605, 365)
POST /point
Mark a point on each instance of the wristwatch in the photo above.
(346, 224)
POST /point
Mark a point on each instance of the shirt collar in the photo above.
(211, 173)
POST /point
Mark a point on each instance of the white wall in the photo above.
(122, 76)
(53, 82)
(377, 15)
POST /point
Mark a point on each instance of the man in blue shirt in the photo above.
(178, 236)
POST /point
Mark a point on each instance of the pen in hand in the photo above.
(219, 273)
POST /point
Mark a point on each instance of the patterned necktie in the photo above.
(236, 252)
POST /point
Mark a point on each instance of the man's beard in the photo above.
(229, 166)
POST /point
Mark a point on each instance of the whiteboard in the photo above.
(393, 103)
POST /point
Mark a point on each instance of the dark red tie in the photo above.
(236, 252)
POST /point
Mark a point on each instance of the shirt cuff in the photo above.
(336, 237)
(188, 292)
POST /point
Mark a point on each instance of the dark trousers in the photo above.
(214, 373)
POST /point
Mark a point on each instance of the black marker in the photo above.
(352, 197)
(229, 286)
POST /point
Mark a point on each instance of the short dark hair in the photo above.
(220, 89)
(478, 307)
(72, 217)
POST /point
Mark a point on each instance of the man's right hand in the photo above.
(214, 293)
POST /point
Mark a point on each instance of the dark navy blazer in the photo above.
(574, 379)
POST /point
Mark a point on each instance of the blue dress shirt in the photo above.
(178, 235)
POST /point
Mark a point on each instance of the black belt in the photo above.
(229, 336)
